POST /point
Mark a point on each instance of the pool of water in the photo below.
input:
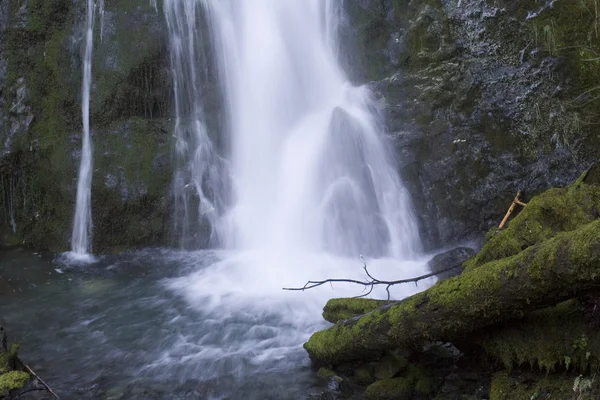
(161, 324)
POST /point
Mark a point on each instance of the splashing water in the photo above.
(309, 182)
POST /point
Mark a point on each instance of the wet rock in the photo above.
(474, 116)
(341, 309)
(396, 388)
(449, 259)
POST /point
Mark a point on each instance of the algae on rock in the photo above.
(556, 337)
(345, 308)
(554, 211)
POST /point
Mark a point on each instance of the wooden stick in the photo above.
(39, 379)
(511, 209)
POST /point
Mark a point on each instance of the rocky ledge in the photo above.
(520, 321)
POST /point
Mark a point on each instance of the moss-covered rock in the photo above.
(389, 366)
(396, 388)
(552, 271)
(527, 386)
(544, 216)
(345, 308)
(557, 337)
(12, 380)
(326, 373)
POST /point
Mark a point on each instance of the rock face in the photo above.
(481, 99)
(40, 133)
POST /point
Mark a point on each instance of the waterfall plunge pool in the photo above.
(161, 324)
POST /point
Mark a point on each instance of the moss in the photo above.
(12, 380)
(326, 373)
(528, 386)
(560, 268)
(422, 379)
(397, 388)
(345, 308)
(552, 212)
(390, 366)
(363, 375)
(569, 32)
(547, 339)
(36, 53)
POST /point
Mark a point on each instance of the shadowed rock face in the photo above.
(481, 99)
(40, 96)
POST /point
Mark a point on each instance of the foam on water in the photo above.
(305, 184)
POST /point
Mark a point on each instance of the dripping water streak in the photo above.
(11, 205)
(101, 14)
(82, 226)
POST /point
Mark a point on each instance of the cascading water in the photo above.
(310, 168)
(309, 183)
(199, 180)
(82, 226)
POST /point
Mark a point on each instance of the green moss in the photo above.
(390, 366)
(326, 373)
(559, 267)
(12, 380)
(422, 379)
(568, 31)
(527, 386)
(397, 388)
(345, 308)
(547, 339)
(552, 212)
(37, 53)
(363, 375)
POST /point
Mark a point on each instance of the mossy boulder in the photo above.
(12, 380)
(559, 337)
(552, 271)
(528, 386)
(389, 366)
(390, 389)
(10, 377)
(345, 308)
(554, 211)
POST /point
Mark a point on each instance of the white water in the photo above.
(82, 225)
(199, 181)
(313, 181)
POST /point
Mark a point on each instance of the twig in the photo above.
(39, 379)
(370, 283)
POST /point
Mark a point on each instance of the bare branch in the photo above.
(369, 284)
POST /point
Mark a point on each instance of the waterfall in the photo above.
(301, 183)
(310, 170)
(199, 180)
(82, 226)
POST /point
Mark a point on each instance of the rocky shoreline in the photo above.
(520, 322)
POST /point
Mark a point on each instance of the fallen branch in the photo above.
(372, 281)
(39, 379)
(558, 269)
